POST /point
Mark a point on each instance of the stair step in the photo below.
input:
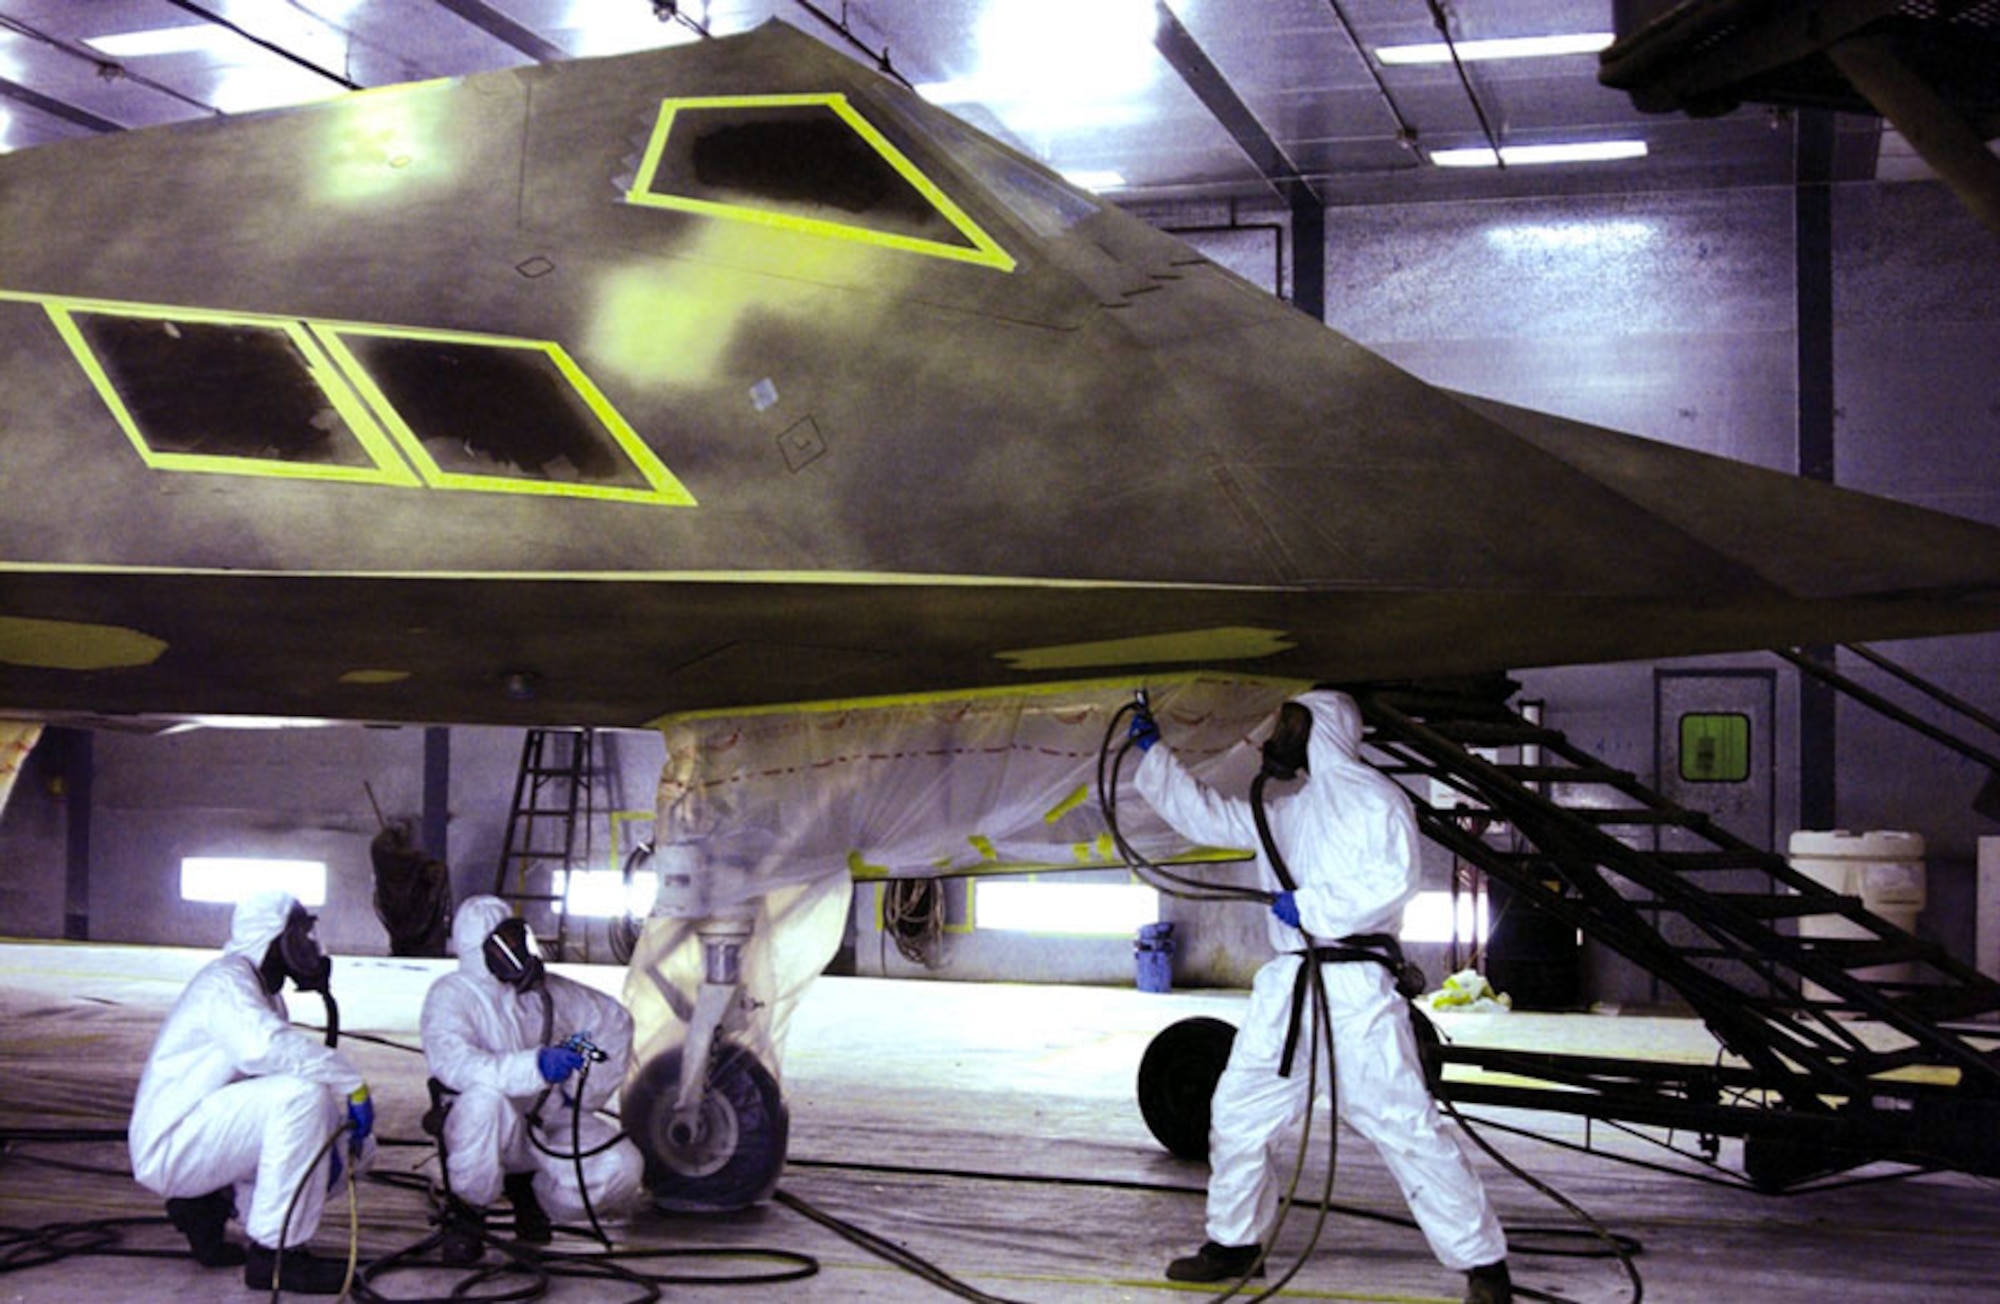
(1610, 815)
(1763, 906)
(1603, 774)
(1493, 733)
(1944, 1004)
(1699, 862)
(1862, 952)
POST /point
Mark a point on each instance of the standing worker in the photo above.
(1348, 840)
(505, 1039)
(233, 1096)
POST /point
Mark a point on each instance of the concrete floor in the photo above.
(989, 1129)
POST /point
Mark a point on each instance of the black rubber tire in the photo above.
(1177, 1077)
(745, 1097)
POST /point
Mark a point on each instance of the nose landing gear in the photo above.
(727, 1153)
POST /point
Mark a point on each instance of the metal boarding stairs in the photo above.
(1827, 1063)
(553, 804)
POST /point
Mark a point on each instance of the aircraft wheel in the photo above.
(731, 1157)
(1177, 1077)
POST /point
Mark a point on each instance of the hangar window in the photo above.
(500, 414)
(804, 162)
(233, 878)
(211, 392)
(1715, 748)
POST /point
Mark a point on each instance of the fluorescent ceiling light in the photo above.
(1095, 179)
(1592, 151)
(1094, 77)
(186, 39)
(1512, 47)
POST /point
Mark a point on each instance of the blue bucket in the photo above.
(1154, 952)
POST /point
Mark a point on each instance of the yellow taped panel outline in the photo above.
(662, 489)
(1290, 687)
(986, 252)
(1067, 804)
(373, 420)
(386, 467)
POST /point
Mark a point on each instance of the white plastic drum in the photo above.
(1885, 868)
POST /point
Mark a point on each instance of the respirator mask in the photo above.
(295, 954)
(1285, 749)
(513, 957)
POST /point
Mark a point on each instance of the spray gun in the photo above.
(581, 1043)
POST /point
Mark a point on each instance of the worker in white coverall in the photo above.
(1348, 839)
(512, 1041)
(236, 1105)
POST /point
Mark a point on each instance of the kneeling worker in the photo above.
(507, 1037)
(235, 1105)
(1347, 839)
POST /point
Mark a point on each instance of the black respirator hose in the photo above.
(548, 1034)
(1271, 852)
(1158, 876)
(332, 1016)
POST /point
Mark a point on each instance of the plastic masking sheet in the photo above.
(770, 816)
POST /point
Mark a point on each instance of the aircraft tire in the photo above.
(1177, 1077)
(735, 1160)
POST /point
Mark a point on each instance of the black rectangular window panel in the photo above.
(485, 409)
(219, 389)
(803, 160)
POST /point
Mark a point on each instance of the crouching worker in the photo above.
(499, 1037)
(236, 1106)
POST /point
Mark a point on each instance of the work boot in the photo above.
(463, 1239)
(1214, 1262)
(203, 1219)
(531, 1225)
(1489, 1285)
(301, 1273)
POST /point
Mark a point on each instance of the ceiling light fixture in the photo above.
(1590, 151)
(192, 38)
(1511, 47)
(1095, 179)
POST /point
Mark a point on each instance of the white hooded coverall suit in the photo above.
(233, 1095)
(481, 1037)
(1349, 838)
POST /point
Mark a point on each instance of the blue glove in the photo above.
(1286, 908)
(361, 1114)
(1144, 732)
(555, 1063)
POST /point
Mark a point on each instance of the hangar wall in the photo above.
(1668, 315)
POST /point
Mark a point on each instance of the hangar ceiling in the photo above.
(1145, 102)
